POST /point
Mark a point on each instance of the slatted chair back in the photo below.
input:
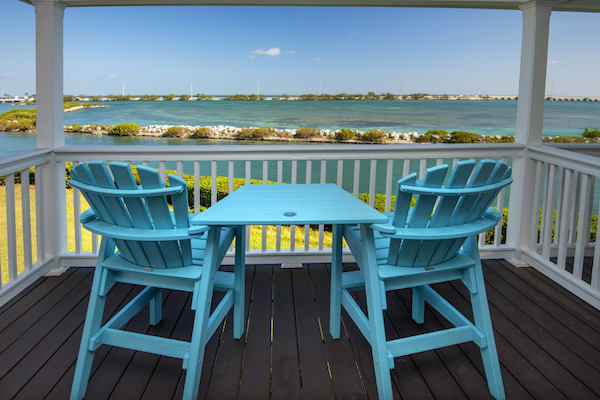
(464, 198)
(117, 200)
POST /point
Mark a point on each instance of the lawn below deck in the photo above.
(548, 343)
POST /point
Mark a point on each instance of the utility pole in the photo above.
(123, 90)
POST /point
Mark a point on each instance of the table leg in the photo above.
(335, 311)
(240, 272)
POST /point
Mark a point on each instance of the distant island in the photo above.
(24, 120)
(30, 99)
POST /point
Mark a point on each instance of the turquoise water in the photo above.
(495, 117)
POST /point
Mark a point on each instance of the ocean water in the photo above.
(496, 117)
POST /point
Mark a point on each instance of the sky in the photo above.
(297, 50)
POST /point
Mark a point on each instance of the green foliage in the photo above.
(149, 97)
(73, 128)
(591, 133)
(18, 120)
(177, 131)
(374, 136)
(568, 139)
(170, 96)
(379, 203)
(202, 132)
(18, 177)
(345, 134)
(68, 97)
(434, 136)
(184, 97)
(256, 133)
(119, 97)
(417, 96)
(491, 234)
(307, 133)
(236, 97)
(127, 129)
(466, 137)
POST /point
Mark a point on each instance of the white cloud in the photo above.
(553, 62)
(272, 52)
(112, 76)
(9, 74)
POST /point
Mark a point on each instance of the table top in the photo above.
(302, 204)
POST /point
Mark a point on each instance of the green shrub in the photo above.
(202, 132)
(18, 120)
(433, 136)
(127, 129)
(73, 128)
(374, 136)
(256, 133)
(591, 133)
(569, 139)
(345, 134)
(466, 137)
(177, 131)
(307, 133)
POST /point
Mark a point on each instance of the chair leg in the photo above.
(489, 354)
(335, 302)
(418, 305)
(156, 309)
(93, 322)
(203, 297)
(375, 313)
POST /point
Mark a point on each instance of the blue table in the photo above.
(306, 204)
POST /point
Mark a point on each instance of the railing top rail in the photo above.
(565, 158)
(20, 161)
(289, 152)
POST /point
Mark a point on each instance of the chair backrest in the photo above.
(131, 212)
(468, 192)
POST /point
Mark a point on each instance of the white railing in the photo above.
(563, 242)
(366, 170)
(22, 255)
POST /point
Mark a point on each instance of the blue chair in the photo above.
(434, 241)
(145, 243)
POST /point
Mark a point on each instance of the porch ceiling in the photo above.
(561, 5)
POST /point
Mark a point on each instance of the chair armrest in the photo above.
(87, 216)
(143, 235)
(198, 229)
(453, 232)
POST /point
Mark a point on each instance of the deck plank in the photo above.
(547, 341)
(256, 373)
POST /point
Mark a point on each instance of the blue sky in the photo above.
(293, 50)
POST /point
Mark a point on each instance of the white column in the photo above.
(532, 80)
(49, 108)
(530, 114)
(49, 73)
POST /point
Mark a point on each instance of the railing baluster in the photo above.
(356, 187)
(39, 209)
(548, 218)
(11, 227)
(293, 227)
(559, 201)
(422, 168)
(264, 227)
(583, 223)
(279, 182)
(196, 186)
(562, 233)
(248, 182)
(535, 229)
(307, 227)
(162, 167)
(372, 180)
(388, 185)
(180, 168)
(323, 180)
(213, 182)
(574, 210)
(340, 173)
(26, 219)
(596, 263)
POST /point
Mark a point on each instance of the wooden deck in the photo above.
(548, 341)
